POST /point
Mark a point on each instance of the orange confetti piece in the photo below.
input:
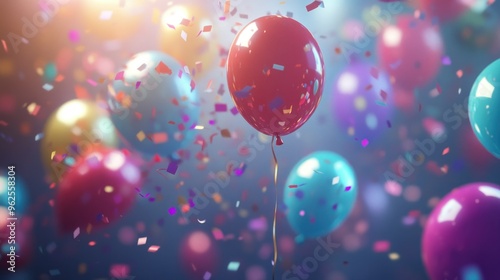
(158, 138)
(81, 92)
(162, 68)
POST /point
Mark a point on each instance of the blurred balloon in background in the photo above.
(17, 192)
(187, 35)
(411, 51)
(71, 130)
(477, 30)
(461, 232)
(320, 192)
(275, 74)
(198, 255)
(99, 189)
(446, 10)
(362, 98)
(484, 108)
(154, 104)
(111, 20)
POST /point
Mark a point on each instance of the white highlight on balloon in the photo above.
(114, 160)
(71, 112)
(348, 83)
(306, 169)
(392, 36)
(449, 211)
(246, 35)
(489, 191)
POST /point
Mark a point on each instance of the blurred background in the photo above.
(54, 51)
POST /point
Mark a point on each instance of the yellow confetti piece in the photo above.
(108, 189)
(394, 256)
(141, 136)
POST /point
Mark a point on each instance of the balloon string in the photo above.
(275, 207)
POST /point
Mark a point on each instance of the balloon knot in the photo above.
(279, 141)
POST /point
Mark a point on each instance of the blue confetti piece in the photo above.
(278, 67)
(245, 92)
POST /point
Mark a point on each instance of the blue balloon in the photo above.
(13, 194)
(153, 105)
(484, 108)
(320, 192)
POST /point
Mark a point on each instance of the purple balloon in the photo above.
(462, 238)
(362, 99)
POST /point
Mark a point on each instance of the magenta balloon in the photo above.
(362, 100)
(411, 51)
(461, 239)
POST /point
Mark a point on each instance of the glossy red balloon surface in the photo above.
(411, 51)
(275, 74)
(97, 190)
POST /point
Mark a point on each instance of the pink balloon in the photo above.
(445, 9)
(97, 190)
(411, 51)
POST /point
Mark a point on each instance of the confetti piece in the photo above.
(348, 188)
(119, 76)
(394, 256)
(5, 48)
(292, 186)
(245, 92)
(278, 67)
(445, 151)
(172, 167)
(314, 5)
(201, 221)
(81, 92)
(234, 110)
(335, 180)
(142, 241)
(217, 233)
(446, 60)
(153, 249)
(207, 276)
(225, 133)
(47, 87)
(460, 73)
(207, 28)
(364, 142)
(199, 127)
(220, 107)
(33, 109)
(39, 136)
(162, 68)
(233, 266)
(381, 246)
(76, 232)
(160, 137)
(141, 136)
(184, 35)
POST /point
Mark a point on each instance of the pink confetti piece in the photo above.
(5, 48)
(120, 271)
(153, 249)
(185, 22)
(393, 188)
(446, 150)
(364, 142)
(220, 107)
(381, 246)
(74, 36)
(91, 82)
(162, 68)
(292, 186)
(193, 85)
(217, 233)
(119, 76)
(76, 232)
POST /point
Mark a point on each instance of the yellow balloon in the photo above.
(72, 130)
(181, 38)
(111, 20)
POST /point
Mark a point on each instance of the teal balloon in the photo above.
(13, 194)
(484, 108)
(154, 104)
(50, 72)
(319, 194)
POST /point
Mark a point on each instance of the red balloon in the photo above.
(275, 74)
(411, 51)
(97, 190)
